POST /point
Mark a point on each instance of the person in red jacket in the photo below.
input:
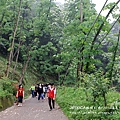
(20, 95)
(51, 96)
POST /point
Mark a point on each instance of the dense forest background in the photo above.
(71, 44)
(66, 42)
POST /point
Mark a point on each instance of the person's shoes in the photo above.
(18, 105)
(50, 110)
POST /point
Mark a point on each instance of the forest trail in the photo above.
(33, 109)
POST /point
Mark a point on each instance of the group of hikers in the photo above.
(41, 91)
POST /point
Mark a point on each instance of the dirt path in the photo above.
(32, 109)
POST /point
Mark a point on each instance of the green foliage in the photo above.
(54, 36)
(56, 41)
(7, 87)
(73, 103)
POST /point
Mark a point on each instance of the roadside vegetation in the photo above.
(42, 41)
(77, 106)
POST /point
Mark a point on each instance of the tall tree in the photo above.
(14, 35)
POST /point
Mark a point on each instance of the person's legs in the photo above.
(33, 93)
(42, 96)
(53, 103)
(39, 95)
(49, 102)
(20, 99)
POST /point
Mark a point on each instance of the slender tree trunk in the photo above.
(24, 69)
(66, 73)
(104, 97)
(18, 51)
(93, 24)
(105, 100)
(81, 11)
(98, 32)
(113, 61)
(58, 77)
(49, 9)
(82, 65)
(3, 15)
(78, 74)
(96, 18)
(12, 45)
(107, 33)
(79, 65)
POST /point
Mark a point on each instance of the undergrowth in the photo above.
(77, 106)
(8, 86)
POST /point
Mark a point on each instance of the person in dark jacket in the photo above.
(36, 90)
(40, 92)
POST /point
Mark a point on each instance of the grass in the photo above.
(77, 106)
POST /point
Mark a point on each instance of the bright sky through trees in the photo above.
(99, 5)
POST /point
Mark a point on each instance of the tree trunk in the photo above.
(79, 66)
(3, 15)
(49, 9)
(107, 33)
(81, 11)
(24, 69)
(104, 97)
(98, 32)
(113, 61)
(78, 74)
(18, 51)
(66, 72)
(12, 45)
(58, 77)
(96, 18)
